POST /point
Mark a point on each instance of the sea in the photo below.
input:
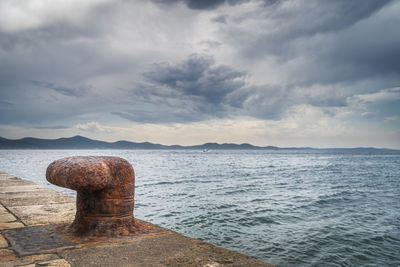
(286, 207)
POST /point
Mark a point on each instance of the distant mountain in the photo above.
(228, 146)
(76, 142)
(80, 142)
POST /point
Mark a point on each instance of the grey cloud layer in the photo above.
(199, 89)
(192, 90)
(198, 77)
(60, 89)
(62, 67)
(329, 33)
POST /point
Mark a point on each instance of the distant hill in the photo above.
(80, 142)
(76, 142)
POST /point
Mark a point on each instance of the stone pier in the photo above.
(33, 220)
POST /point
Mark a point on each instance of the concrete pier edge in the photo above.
(32, 214)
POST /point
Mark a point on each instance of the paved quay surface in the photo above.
(33, 219)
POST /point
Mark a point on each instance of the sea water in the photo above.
(289, 208)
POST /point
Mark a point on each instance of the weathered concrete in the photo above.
(36, 221)
(3, 242)
(8, 220)
(4, 188)
(52, 263)
(169, 249)
(32, 204)
(44, 214)
(39, 197)
(9, 180)
(8, 258)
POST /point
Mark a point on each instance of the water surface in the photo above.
(290, 208)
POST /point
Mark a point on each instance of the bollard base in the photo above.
(109, 227)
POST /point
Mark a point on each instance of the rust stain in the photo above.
(105, 194)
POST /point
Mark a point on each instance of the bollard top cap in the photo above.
(88, 173)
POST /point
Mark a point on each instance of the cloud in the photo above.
(303, 43)
(352, 55)
(199, 89)
(278, 27)
(391, 118)
(194, 89)
(211, 4)
(7, 103)
(164, 115)
(385, 95)
(264, 102)
(56, 127)
(367, 114)
(220, 19)
(60, 89)
(92, 126)
(30, 14)
(201, 4)
(198, 77)
(206, 90)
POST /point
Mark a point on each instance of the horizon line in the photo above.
(237, 144)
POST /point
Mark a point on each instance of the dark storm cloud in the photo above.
(265, 102)
(367, 50)
(38, 103)
(195, 89)
(7, 103)
(210, 4)
(199, 89)
(201, 4)
(60, 89)
(336, 15)
(198, 77)
(208, 90)
(341, 43)
(304, 20)
(357, 57)
(220, 19)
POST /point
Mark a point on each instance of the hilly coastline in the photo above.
(80, 142)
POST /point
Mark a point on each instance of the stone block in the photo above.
(45, 214)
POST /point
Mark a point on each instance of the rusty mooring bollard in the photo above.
(105, 193)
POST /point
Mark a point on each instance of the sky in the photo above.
(317, 73)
